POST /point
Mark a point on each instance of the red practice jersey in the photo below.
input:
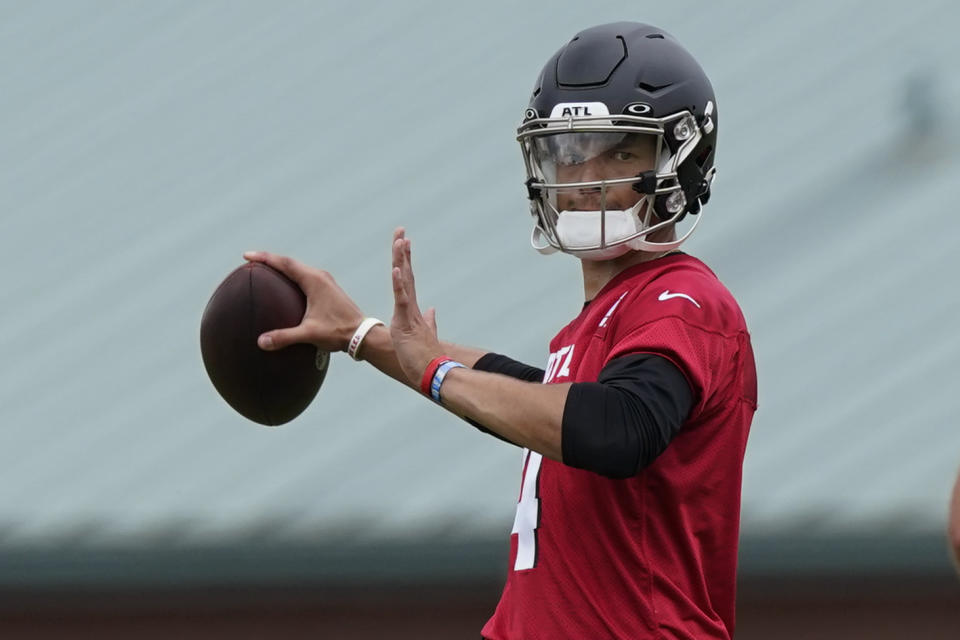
(655, 555)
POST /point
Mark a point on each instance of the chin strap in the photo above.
(640, 244)
(546, 248)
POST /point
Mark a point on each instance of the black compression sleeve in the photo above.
(621, 423)
(496, 363)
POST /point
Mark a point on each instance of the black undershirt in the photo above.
(619, 424)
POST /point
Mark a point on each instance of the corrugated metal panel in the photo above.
(143, 147)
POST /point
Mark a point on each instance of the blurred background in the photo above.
(145, 145)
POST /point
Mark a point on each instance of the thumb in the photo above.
(280, 338)
(430, 317)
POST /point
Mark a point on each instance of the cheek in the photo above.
(622, 197)
(567, 173)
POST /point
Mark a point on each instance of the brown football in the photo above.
(268, 387)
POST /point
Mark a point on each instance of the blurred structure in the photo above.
(143, 147)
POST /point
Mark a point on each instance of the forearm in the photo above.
(528, 414)
(377, 349)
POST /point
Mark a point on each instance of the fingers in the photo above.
(404, 313)
(407, 261)
(289, 267)
(280, 338)
(401, 259)
(400, 296)
(397, 246)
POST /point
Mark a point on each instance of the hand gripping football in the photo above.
(268, 387)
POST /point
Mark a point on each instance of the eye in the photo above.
(623, 156)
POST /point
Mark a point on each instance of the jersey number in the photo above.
(528, 512)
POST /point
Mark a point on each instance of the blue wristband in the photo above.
(439, 376)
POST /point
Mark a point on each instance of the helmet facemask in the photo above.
(599, 188)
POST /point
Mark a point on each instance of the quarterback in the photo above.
(634, 432)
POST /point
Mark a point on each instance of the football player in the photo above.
(634, 432)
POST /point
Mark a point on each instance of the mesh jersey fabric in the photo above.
(652, 556)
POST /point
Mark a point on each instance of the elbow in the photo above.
(604, 431)
(613, 460)
(609, 448)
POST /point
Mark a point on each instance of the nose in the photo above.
(588, 171)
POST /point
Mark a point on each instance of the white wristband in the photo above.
(353, 348)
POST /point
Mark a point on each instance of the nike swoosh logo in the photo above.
(666, 295)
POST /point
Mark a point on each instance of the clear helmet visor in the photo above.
(589, 156)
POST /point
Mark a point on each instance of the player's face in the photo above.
(604, 156)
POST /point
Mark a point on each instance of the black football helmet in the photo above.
(610, 86)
